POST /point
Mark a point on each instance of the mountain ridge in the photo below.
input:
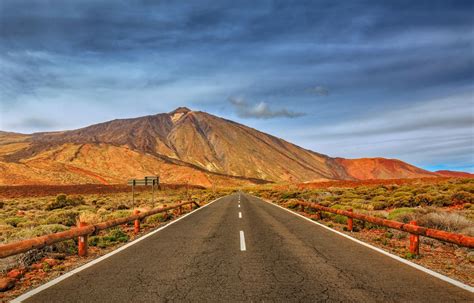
(203, 148)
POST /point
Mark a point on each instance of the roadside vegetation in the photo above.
(28, 217)
(447, 205)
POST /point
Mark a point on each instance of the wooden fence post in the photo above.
(414, 242)
(350, 221)
(136, 223)
(82, 244)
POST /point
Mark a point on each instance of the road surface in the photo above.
(253, 252)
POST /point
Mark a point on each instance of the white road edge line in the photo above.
(240, 215)
(242, 241)
(95, 261)
(419, 267)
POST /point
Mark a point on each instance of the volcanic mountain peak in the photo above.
(178, 113)
(181, 110)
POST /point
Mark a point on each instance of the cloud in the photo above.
(428, 133)
(260, 110)
(33, 123)
(318, 90)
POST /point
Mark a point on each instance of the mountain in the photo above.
(381, 168)
(453, 174)
(182, 146)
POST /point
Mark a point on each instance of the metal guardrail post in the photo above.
(82, 242)
(414, 242)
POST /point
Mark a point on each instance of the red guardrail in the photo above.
(414, 230)
(82, 232)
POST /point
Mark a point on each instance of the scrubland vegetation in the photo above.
(29, 217)
(446, 205)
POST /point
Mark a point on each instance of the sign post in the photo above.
(149, 180)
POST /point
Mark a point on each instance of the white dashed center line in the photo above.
(239, 205)
(240, 215)
(242, 241)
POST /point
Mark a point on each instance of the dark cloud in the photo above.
(260, 110)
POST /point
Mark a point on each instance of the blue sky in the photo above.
(344, 78)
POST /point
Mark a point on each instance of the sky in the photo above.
(351, 79)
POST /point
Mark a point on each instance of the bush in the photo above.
(118, 214)
(113, 237)
(404, 215)
(380, 205)
(14, 221)
(41, 230)
(452, 222)
(155, 219)
(89, 217)
(66, 217)
(461, 197)
(62, 201)
(289, 195)
(340, 219)
(424, 199)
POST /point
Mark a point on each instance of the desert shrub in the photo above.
(76, 200)
(27, 224)
(424, 199)
(404, 215)
(114, 236)
(14, 221)
(65, 217)
(2, 204)
(118, 214)
(350, 195)
(462, 197)
(63, 201)
(289, 195)
(402, 200)
(40, 231)
(380, 205)
(89, 217)
(442, 200)
(155, 219)
(340, 219)
(379, 198)
(448, 221)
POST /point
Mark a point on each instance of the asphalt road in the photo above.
(286, 259)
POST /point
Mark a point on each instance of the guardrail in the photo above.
(414, 230)
(83, 231)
